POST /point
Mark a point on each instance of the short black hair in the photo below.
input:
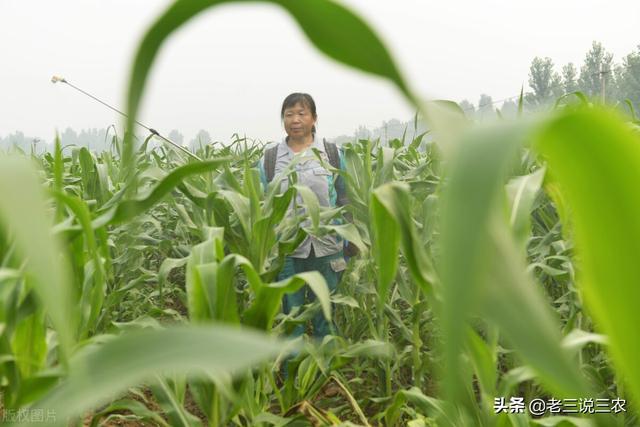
(299, 98)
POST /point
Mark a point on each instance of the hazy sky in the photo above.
(229, 70)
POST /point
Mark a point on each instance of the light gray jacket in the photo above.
(321, 181)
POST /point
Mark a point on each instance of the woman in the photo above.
(325, 254)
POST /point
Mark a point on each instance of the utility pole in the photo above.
(34, 145)
(603, 74)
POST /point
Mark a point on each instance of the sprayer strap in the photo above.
(270, 162)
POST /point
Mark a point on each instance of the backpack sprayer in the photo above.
(56, 79)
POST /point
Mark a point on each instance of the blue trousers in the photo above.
(325, 265)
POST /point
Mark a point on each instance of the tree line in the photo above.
(548, 83)
(97, 140)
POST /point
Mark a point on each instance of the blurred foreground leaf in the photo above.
(99, 371)
(596, 161)
(23, 214)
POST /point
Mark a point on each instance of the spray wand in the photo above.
(56, 79)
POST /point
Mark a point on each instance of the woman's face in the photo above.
(298, 121)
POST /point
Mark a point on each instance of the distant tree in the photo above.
(92, 139)
(392, 129)
(509, 108)
(69, 137)
(341, 139)
(569, 78)
(362, 132)
(627, 77)
(176, 136)
(19, 140)
(468, 108)
(545, 83)
(84, 138)
(590, 78)
(485, 106)
(202, 138)
(102, 141)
